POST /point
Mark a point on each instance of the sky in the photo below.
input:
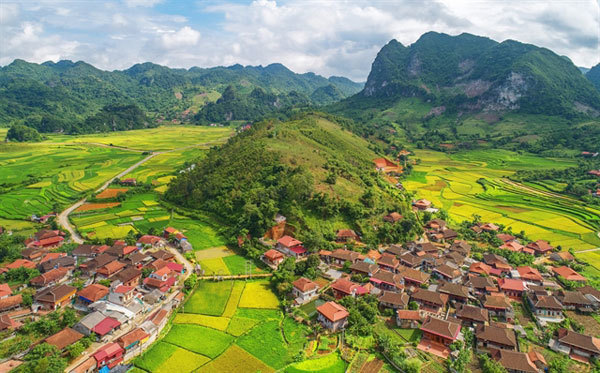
(328, 37)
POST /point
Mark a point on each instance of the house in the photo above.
(540, 247)
(88, 322)
(513, 245)
(396, 250)
(577, 345)
(480, 268)
(530, 274)
(48, 243)
(392, 217)
(422, 204)
(129, 182)
(341, 256)
(505, 237)
(11, 302)
(346, 235)
(84, 251)
(408, 319)
(364, 268)
(562, 256)
(150, 241)
(20, 263)
(546, 307)
(163, 254)
(5, 291)
(568, 274)
(575, 300)
(455, 292)
(448, 273)
(176, 267)
(110, 269)
(137, 260)
(386, 280)
(92, 293)
(344, 287)
(121, 251)
(110, 354)
(55, 297)
(472, 315)
(373, 255)
(499, 305)
(385, 165)
(388, 262)
(63, 261)
(513, 288)
(162, 274)
(291, 246)
(162, 285)
(519, 362)
(134, 338)
(412, 277)
(332, 316)
(411, 261)
(130, 276)
(7, 323)
(89, 267)
(272, 258)
(481, 285)
(169, 231)
(430, 301)
(52, 277)
(591, 294)
(304, 290)
(462, 247)
(64, 338)
(492, 336)
(52, 256)
(454, 258)
(121, 295)
(439, 331)
(33, 253)
(497, 262)
(393, 300)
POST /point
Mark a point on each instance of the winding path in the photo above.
(63, 217)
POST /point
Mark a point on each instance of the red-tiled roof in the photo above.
(21, 263)
(107, 351)
(51, 256)
(148, 240)
(568, 273)
(11, 302)
(64, 338)
(273, 254)
(133, 336)
(175, 267)
(5, 290)
(105, 326)
(529, 273)
(93, 292)
(50, 276)
(409, 315)
(289, 241)
(333, 311)
(345, 286)
(49, 241)
(303, 284)
(511, 284)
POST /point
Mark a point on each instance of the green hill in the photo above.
(310, 169)
(468, 73)
(593, 75)
(73, 91)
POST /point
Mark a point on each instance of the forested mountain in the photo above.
(468, 73)
(593, 75)
(72, 91)
(310, 169)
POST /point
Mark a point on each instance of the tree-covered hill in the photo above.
(593, 75)
(468, 73)
(310, 169)
(73, 91)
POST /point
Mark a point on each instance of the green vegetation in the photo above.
(594, 76)
(155, 356)
(330, 363)
(21, 133)
(199, 339)
(209, 298)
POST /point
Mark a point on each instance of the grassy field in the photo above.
(475, 182)
(258, 295)
(41, 178)
(220, 336)
(331, 363)
(152, 139)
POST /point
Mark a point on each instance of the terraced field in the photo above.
(225, 333)
(152, 139)
(38, 178)
(476, 182)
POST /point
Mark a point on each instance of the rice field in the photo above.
(475, 182)
(38, 178)
(257, 294)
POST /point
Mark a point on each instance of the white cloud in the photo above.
(327, 37)
(184, 37)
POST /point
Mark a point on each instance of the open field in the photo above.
(330, 363)
(41, 178)
(152, 139)
(233, 338)
(474, 182)
(258, 295)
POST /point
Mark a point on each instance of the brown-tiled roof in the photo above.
(396, 250)
(496, 301)
(514, 361)
(409, 315)
(430, 296)
(303, 284)
(55, 293)
(472, 313)
(444, 328)
(162, 254)
(411, 259)
(414, 275)
(11, 302)
(481, 282)
(333, 311)
(93, 292)
(345, 286)
(448, 271)
(388, 260)
(503, 336)
(50, 276)
(64, 338)
(574, 297)
(398, 299)
(492, 259)
(546, 301)
(480, 268)
(388, 277)
(582, 341)
(129, 274)
(133, 336)
(453, 289)
(364, 267)
(346, 255)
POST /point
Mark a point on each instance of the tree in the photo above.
(22, 133)
(75, 350)
(559, 364)
(490, 366)
(412, 305)
(106, 282)
(68, 317)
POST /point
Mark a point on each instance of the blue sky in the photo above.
(329, 37)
